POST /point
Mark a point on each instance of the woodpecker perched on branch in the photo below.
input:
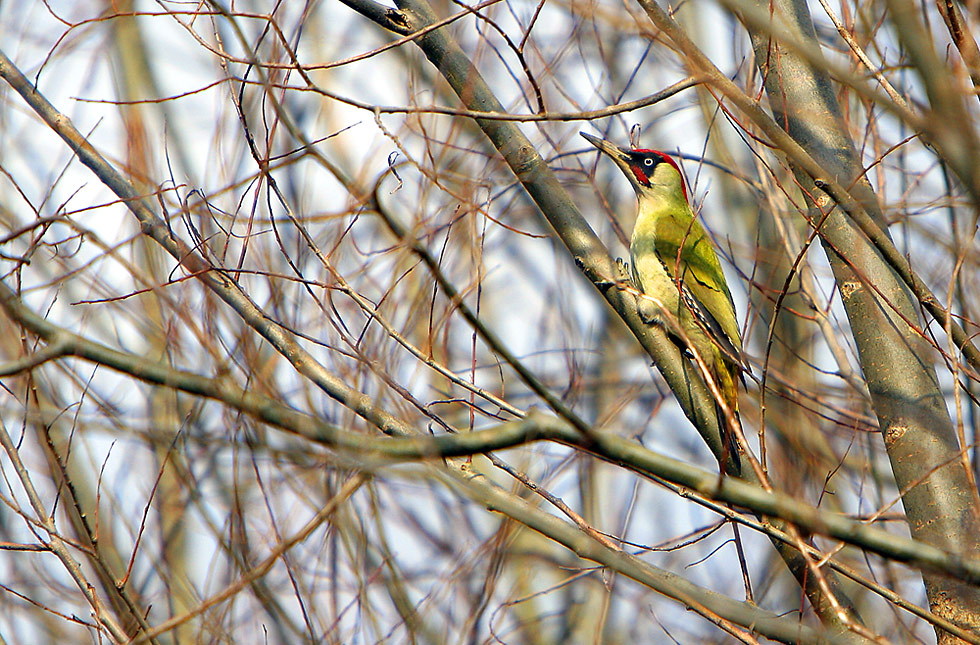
(675, 265)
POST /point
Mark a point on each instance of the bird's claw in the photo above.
(602, 282)
(622, 279)
(623, 269)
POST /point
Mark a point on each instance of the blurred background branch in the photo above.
(345, 256)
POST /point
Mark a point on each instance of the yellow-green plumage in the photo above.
(670, 248)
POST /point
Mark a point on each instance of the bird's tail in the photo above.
(726, 377)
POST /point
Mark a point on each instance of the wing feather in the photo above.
(703, 282)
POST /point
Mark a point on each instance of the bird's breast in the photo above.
(651, 275)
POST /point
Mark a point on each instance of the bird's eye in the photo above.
(648, 162)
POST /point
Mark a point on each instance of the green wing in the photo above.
(702, 277)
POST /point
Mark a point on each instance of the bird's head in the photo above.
(651, 172)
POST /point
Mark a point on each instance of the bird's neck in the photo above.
(656, 205)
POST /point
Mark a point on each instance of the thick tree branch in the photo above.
(370, 452)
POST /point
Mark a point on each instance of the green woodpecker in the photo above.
(674, 263)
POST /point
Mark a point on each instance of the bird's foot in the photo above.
(604, 283)
(649, 312)
(622, 270)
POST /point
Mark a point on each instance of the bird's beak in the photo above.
(620, 155)
(611, 149)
